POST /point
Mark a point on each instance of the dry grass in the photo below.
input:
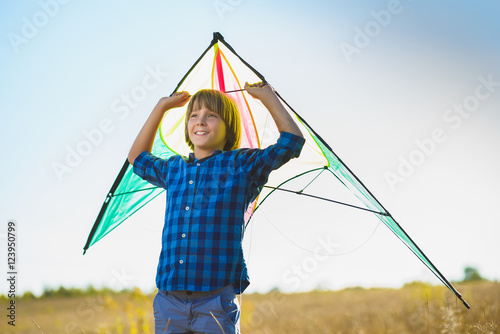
(415, 308)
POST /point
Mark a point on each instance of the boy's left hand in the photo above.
(268, 97)
(260, 90)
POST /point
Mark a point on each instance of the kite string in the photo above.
(313, 252)
(240, 298)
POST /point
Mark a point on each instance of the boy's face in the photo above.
(207, 130)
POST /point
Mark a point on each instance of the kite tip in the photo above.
(465, 303)
(84, 251)
(217, 36)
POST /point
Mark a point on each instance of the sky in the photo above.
(407, 93)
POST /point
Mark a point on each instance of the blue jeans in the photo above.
(215, 311)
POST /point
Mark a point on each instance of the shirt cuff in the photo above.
(139, 163)
(291, 141)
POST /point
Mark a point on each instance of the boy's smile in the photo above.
(207, 132)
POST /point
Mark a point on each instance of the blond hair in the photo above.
(225, 107)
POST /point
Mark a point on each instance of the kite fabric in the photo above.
(220, 68)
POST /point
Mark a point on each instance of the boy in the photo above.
(201, 266)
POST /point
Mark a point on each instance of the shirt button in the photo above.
(187, 208)
(183, 235)
(190, 181)
(198, 164)
(181, 261)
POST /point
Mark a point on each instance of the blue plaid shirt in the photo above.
(206, 204)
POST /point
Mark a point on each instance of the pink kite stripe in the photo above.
(220, 73)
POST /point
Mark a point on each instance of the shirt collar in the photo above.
(192, 158)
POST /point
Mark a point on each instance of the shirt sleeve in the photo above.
(261, 163)
(151, 168)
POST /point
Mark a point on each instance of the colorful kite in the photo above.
(220, 67)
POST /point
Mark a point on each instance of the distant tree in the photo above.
(275, 289)
(90, 290)
(62, 292)
(48, 292)
(28, 295)
(472, 274)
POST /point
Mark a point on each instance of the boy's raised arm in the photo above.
(281, 117)
(145, 138)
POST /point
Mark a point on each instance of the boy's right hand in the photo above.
(145, 139)
(176, 100)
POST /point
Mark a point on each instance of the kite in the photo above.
(221, 68)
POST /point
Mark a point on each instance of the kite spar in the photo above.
(220, 67)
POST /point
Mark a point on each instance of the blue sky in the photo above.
(376, 108)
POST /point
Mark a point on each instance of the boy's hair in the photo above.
(225, 107)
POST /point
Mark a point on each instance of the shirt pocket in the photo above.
(229, 304)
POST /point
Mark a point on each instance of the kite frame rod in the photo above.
(327, 199)
(441, 277)
(218, 38)
(135, 191)
(105, 205)
(234, 91)
(214, 40)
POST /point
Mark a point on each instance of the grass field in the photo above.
(415, 308)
